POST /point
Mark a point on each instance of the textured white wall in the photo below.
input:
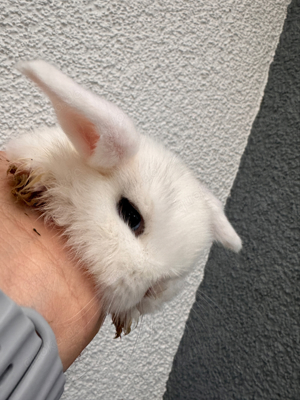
(189, 72)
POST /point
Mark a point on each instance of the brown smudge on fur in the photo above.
(24, 183)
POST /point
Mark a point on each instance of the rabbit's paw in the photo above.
(125, 322)
(121, 326)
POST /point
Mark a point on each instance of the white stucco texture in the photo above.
(191, 73)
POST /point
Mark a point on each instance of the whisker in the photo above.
(72, 337)
(191, 321)
(87, 307)
(205, 297)
(139, 329)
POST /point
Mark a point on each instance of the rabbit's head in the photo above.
(133, 211)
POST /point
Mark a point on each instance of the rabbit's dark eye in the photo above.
(131, 216)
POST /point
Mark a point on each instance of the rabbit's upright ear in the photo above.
(102, 133)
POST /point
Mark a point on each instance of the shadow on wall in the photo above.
(242, 339)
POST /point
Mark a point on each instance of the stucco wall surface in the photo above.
(191, 73)
(247, 308)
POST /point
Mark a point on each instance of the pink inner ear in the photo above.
(88, 132)
(80, 130)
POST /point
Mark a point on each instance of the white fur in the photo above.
(86, 177)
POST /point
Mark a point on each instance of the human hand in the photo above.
(37, 271)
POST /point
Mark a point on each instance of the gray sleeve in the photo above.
(30, 367)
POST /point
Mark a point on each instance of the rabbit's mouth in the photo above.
(150, 292)
(157, 289)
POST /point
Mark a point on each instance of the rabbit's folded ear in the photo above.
(222, 230)
(102, 133)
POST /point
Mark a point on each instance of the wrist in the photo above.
(36, 271)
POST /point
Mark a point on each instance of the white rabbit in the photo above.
(133, 213)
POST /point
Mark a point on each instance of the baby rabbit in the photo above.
(133, 213)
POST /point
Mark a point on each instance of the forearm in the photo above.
(36, 271)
